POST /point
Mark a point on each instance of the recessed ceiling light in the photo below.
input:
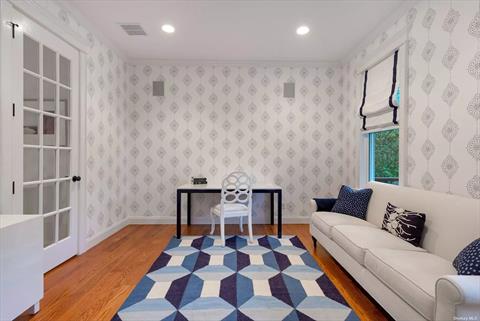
(303, 30)
(168, 28)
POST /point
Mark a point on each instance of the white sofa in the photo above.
(410, 283)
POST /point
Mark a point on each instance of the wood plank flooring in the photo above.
(92, 286)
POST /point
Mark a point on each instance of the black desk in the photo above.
(189, 189)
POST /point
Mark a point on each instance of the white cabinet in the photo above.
(21, 264)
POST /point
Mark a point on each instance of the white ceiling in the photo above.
(238, 30)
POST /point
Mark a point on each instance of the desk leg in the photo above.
(272, 208)
(279, 227)
(179, 214)
(189, 209)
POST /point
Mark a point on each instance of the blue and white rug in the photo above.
(195, 278)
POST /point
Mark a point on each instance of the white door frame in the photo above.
(36, 12)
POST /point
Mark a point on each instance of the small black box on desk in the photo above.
(199, 180)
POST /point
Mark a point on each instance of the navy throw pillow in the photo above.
(353, 202)
(467, 261)
(404, 224)
(325, 204)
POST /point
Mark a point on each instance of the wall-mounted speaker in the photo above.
(158, 88)
(289, 90)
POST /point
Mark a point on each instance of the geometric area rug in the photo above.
(195, 278)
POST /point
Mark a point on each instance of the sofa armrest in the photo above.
(322, 204)
(457, 297)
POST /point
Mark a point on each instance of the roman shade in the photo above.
(381, 95)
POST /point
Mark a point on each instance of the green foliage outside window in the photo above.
(386, 156)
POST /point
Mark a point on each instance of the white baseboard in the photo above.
(105, 234)
(137, 220)
(206, 220)
(296, 220)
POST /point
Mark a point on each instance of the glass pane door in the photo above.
(47, 138)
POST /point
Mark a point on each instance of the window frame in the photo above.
(371, 153)
(399, 41)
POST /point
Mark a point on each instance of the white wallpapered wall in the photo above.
(218, 118)
(444, 104)
(107, 140)
(132, 172)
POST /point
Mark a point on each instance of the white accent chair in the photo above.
(236, 202)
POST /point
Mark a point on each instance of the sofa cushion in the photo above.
(353, 202)
(410, 274)
(324, 221)
(355, 240)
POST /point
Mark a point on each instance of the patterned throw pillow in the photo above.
(353, 202)
(403, 223)
(467, 261)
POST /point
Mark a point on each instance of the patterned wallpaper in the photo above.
(218, 118)
(107, 136)
(444, 103)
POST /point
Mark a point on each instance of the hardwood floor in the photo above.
(93, 286)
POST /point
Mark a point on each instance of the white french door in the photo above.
(48, 71)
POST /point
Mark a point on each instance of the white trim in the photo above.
(364, 164)
(364, 161)
(35, 11)
(387, 49)
(380, 129)
(397, 14)
(106, 234)
(82, 154)
(269, 63)
(165, 220)
(15, 95)
(371, 158)
(89, 26)
(403, 57)
(296, 220)
(6, 121)
(135, 220)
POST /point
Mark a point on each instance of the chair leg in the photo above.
(212, 217)
(222, 229)
(250, 230)
(241, 224)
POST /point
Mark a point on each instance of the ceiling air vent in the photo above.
(133, 29)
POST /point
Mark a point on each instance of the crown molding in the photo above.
(386, 50)
(37, 12)
(381, 27)
(90, 26)
(262, 63)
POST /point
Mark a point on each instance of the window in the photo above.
(383, 147)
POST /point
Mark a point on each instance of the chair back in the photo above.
(237, 188)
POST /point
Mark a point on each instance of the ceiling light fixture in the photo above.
(303, 30)
(168, 28)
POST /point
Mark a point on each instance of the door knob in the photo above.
(76, 178)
